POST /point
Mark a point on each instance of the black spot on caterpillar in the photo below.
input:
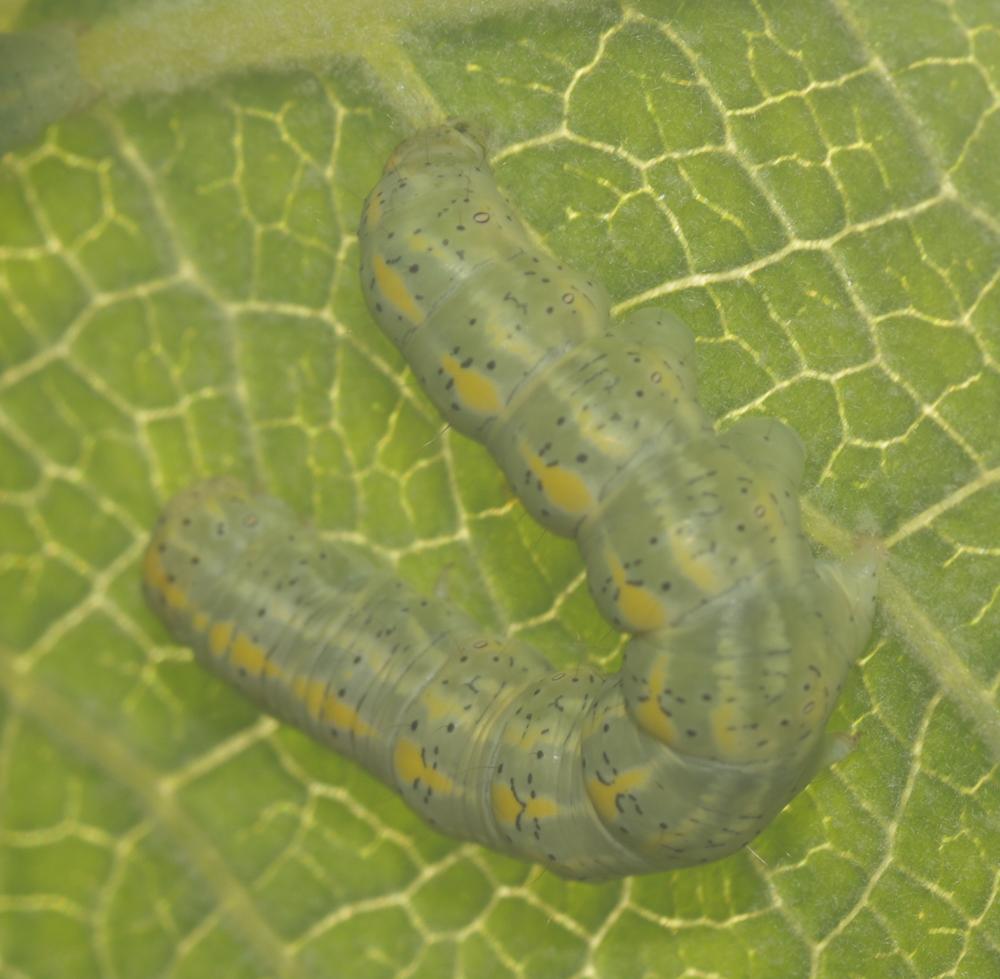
(692, 543)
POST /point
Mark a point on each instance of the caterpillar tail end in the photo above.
(157, 583)
(837, 745)
(451, 143)
(857, 580)
(831, 749)
(205, 492)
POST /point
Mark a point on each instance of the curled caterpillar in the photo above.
(740, 638)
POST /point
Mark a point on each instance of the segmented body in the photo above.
(691, 539)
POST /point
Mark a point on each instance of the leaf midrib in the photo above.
(60, 719)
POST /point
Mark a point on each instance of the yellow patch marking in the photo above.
(507, 807)
(505, 804)
(593, 428)
(474, 390)
(496, 333)
(721, 719)
(420, 243)
(200, 622)
(667, 837)
(436, 705)
(219, 637)
(342, 715)
(562, 488)
(603, 796)
(247, 654)
(639, 609)
(696, 569)
(654, 722)
(764, 500)
(410, 766)
(789, 553)
(392, 286)
(155, 575)
(526, 740)
(311, 693)
(541, 808)
(650, 716)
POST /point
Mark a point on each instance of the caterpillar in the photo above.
(692, 542)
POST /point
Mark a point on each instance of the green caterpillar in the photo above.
(692, 542)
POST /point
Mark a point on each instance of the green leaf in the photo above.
(811, 186)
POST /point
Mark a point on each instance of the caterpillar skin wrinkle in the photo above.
(740, 637)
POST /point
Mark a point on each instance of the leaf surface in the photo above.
(812, 187)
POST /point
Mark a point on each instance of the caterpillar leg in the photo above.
(657, 326)
(769, 442)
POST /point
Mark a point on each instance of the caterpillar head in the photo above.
(450, 143)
